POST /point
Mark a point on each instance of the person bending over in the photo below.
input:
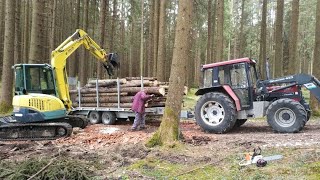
(138, 106)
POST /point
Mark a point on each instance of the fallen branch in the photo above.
(45, 167)
(194, 169)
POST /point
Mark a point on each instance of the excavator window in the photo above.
(39, 80)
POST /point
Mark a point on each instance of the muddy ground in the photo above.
(116, 150)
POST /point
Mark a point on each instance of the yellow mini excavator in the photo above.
(42, 103)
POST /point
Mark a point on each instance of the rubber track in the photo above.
(8, 128)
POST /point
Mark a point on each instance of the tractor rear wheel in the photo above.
(215, 112)
(286, 116)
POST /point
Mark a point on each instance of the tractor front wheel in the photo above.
(286, 116)
(215, 112)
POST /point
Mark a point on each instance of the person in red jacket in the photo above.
(139, 101)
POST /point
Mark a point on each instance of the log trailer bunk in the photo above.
(42, 105)
(232, 92)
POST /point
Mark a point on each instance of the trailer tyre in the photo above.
(95, 117)
(215, 112)
(108, 118)
(286, 116)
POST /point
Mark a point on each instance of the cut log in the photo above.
(137, 83)
(149, 90)
(106, 99)
(109, 105)
(104, 94)
(105, 82)
(139, 78)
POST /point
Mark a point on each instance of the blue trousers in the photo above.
(139, 120)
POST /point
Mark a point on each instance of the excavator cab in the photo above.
(34, 78)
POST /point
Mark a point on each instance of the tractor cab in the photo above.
(235, 77)
(34, 78)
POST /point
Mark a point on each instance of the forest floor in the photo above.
(112, 152)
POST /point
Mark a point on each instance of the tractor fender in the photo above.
(226, 89)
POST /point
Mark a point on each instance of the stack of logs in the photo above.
(129, 86)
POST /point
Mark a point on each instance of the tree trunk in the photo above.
(219, 35)
(263, 41)
(150, 40)
(293, 68)
(161, 47)
(18, 38)
(102, 27)
(242, 35)
(83, 73)
(8, 56)
(316, 55)
(279, 39)
(213, 32)
(168, 131)
(37, 48)
(155, 35)
(209, 59)
(26, 33)
(2, 27)
(73, 62)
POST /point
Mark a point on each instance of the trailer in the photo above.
(109, 115)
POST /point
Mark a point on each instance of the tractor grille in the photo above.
(37, 103)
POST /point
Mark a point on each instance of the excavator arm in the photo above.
(64, 50)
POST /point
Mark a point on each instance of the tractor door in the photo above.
(237, 76)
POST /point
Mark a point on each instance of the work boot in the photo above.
(132, 129)
(142, 128)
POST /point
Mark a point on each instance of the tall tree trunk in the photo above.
(316, 55)
(161, 48)
(53, 24)
(8, 56)
(113, 25)
(242, 35)
(83, 73)
(26, 33)
(213, 31)
(168, 132)
(37, 47)
(155, 35)
(18, 38)
(279, 39)
(102, 27)
(2, 27)
(73, 62)
(150, 40)
(219, 35)
(293, 68)
(209, 42)
(263, 41)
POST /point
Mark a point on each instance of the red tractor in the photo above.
(231, 93)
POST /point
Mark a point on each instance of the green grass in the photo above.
(190, 100)
(296, 164)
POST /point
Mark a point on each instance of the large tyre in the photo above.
(108, 118)
(94, 117)
(215, 112)
(240, 122)
(286, 116)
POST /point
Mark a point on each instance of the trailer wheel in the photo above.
(240, 122)
(215, 112)
(95, 117)
(108, 118)
(286, 116)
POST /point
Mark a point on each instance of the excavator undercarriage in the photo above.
(10, 129)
